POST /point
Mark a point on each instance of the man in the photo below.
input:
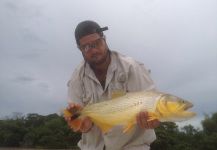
(102, 72)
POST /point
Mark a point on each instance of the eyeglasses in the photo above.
(95, 44)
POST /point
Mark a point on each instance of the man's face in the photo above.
(93, 48)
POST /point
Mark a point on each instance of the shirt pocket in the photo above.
(87, 97)
(119, 82)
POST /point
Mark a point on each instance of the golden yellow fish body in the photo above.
(122, 109)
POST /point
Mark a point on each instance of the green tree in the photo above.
(210, 124)
(166, 136)
(11, 132)
(209, 139)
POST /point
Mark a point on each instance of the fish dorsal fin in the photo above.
(118, 93)
(129, 127)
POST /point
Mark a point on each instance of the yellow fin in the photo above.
(118, 93)
(128, 127)
(104, 127)
(66, 113)
(152, 116)
(75, 124)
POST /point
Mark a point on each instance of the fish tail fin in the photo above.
(152, 116)
(75, 124)
(66, 113)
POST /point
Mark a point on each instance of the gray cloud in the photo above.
(175, 39)
(23, 79)
(10, 5)
(30, 36)
(32, 54)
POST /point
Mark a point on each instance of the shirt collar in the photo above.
(111, 69)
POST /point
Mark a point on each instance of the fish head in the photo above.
(173, 108)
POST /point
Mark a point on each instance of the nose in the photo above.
(89, 47)
(92, 50)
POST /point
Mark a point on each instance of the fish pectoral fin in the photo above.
(128, 127)
(118, 93)
(152, 116)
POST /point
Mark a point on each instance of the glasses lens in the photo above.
(95, 44)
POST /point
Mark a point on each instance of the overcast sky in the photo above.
(176, 39)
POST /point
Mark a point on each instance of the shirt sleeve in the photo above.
(75, 89)
(139, 78)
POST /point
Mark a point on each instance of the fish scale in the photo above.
(121, 104)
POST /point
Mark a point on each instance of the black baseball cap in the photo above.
(87, 27)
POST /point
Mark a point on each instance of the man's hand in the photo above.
(86, 125)
(83, 124)
(142, 122)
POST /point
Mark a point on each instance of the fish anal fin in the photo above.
(152, 116)
(118, 93)
(128, 127)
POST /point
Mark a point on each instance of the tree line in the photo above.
(51, 131)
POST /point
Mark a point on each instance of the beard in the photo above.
(98, 58)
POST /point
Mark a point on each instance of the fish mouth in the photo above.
(190, 113)
(188, 105)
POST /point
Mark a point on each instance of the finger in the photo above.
(150, 124)
(82, 128)
(71, 105)
(144, 118)
(86, 125)
(156, 123)
(67, 119)
(153, 124)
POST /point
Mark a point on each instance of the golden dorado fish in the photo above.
(123, 108)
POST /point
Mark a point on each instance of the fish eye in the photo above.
(181, 101)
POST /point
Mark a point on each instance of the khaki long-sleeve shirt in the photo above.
(123, 73)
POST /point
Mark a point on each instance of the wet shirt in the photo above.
(124, 73)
